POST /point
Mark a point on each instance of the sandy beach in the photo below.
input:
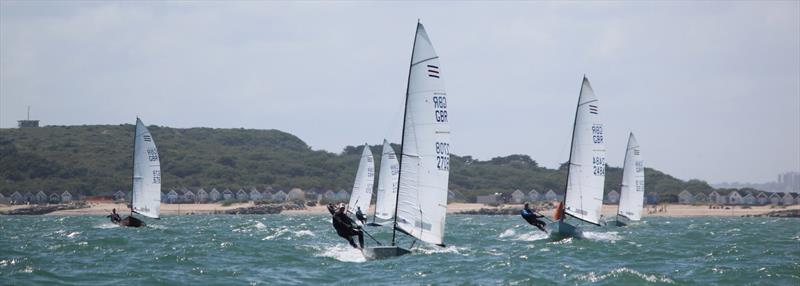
(668, 210)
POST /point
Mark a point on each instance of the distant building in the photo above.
(41, 197)
(241, 195)
(715, 198)
(700, 198)
(189, 196)
(533, 195)
(329, 195)
(775, 199)
(788, 199)
(172, 197)
(749, 199)
(255, 194)
(342, 195)
(119, 196)
(487, 199)
(550, 196)
(202, 195)
(66, 197)
(612, 197)
(279, 196)
(735, 198)
(16, 198)
(517, 197)
(227, 194)
(30, 198)
(214, 195)
(296, 194)
(685, 197)
(55, 198)
(762, 198)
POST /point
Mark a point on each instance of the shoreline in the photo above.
(667, 210)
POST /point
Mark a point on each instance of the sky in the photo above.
(711, 89)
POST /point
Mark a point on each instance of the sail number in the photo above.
(443, 156)
(599, 166)
(639, 185)
(639, 166)
(156, 177)
(597, 133)
(152, 155)
(440, 108)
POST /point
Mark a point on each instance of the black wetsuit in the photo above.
(360, 216)
(533, 218)
(347, 228)
(115, 218)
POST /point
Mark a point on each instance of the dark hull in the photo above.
(383, 252)
(561, 230)
(131, 222)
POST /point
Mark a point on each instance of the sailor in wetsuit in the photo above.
(360, 216)
(115, 218)
(345, 226)
(532, 217)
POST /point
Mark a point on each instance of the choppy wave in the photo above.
(594, 278)
(341, 252)
(612, 236)
(512, 234)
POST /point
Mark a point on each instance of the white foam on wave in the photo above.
(73, 234)
(300, 233)
(341, 252)
(278, 233)
(594, 278)
(525, 236)
(106, 225)
(260, 225)
(428, 249)
(612, 236)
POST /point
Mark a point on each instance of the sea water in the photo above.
(481, 250)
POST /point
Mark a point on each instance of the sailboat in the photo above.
(146, 192)
(587, 168)
(361, 195)
(424, 171)
(387, 185)
(631, 199)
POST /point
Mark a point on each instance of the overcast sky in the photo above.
(711, 89)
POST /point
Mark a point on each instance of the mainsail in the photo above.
(587, 165)
(632, 190)
(387, 183)
(146, 198)
(361, 195)
(425, 161)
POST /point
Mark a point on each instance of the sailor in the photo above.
(360, 216)
(346, 227)
(115, 218)
(532, 217)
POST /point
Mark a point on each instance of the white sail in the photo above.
(587, 166)
(361, 195)
(425, 162)
(146, 197)
(631, 199)
(387, 183)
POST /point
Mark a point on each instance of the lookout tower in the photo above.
(28, 123)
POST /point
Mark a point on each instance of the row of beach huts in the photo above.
(684, 197)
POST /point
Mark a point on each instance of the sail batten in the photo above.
(631, 198)
(586, 175)
(146, 193)
(387, 183)
(361, 194)
(425, 149)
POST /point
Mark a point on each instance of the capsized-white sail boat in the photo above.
(146, 192)
(387, 185)
(424, 154)
(361, 195)
(631, 198)
(587, 168)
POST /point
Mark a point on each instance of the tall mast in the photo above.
(572, 143)
(403, 134)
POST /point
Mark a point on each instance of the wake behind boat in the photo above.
(424, 171)
(146, 190)
(583, 198)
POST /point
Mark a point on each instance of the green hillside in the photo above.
(96, 159)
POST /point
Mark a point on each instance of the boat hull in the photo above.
(383, 252)
(559, 230)
(131, 222)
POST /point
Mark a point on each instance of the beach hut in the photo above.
(296, 194)
(533, 195)
(749, 199)
(734, 198)
(279, 196)
(241, 195)
(775, 199)
(612, 197)
(227, 194)
(788, 199)
(268, 189)
(716, 198)
(55, 198)
(550, 196)
(172, 196)
(517, 197)
(16, 198)
(700, 198)
(41, 197)
(342, 195)
(30, 197)
(329, 195)
(66, 197)
(214, 195)
(762, 198)
(189, 196)
(202, 195)
(119, 196)
(255, 194)
(685, 197)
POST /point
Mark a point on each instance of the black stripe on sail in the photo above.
(433, 71)
(433, 75)
(147, 138)
(433, 67)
